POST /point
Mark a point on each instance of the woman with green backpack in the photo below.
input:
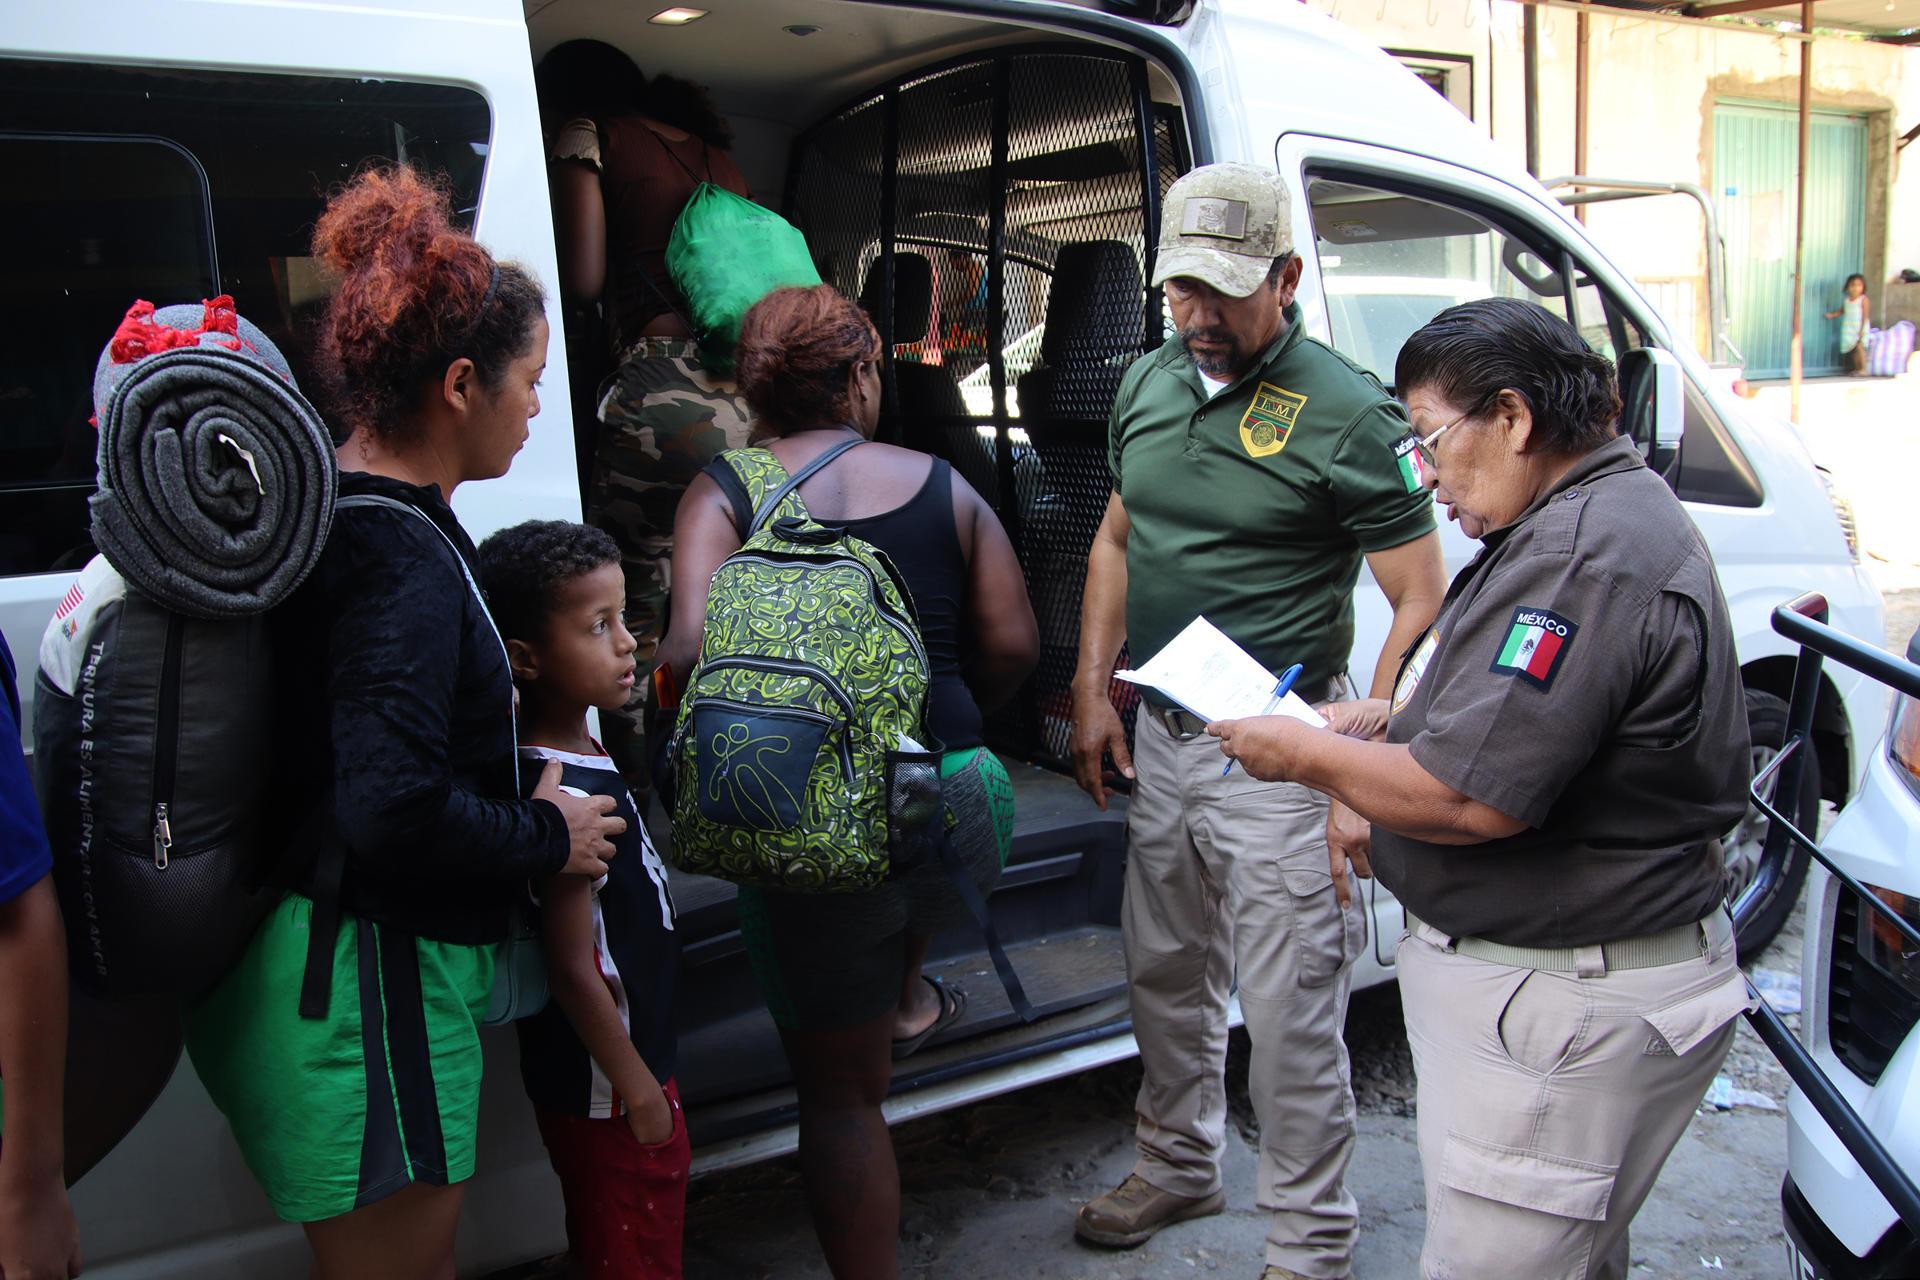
(841, 972)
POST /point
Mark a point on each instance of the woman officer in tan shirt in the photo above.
(1563, 747)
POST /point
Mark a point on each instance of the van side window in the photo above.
(109, 220)
(134, 183)
(1390, 261)
(1608, 327)
(1712, 468)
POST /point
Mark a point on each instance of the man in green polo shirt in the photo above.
(1253, 469)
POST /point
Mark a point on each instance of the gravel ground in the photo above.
(989, 1190)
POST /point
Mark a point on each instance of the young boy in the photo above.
(597, 1061)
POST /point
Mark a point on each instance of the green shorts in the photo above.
(335, 1113)
(830, 960)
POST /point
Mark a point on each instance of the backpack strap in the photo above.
(330, 868)
(962, 881)
(772, 502)
(734, 490)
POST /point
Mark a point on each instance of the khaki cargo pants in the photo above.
(1227, 878)
(1547, 1101)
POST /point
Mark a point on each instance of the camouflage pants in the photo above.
(662, 418)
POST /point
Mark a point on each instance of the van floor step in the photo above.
(1062, 971)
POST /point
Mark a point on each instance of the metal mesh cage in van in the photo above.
(995, 216)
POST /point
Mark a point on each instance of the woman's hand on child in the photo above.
(591, 825)
(651, 1119)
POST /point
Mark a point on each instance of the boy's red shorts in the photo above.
(626, 1203)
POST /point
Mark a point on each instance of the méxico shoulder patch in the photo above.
(1534, 646)
(1413, 467)
(1269, 420)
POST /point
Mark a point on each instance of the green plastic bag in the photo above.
(726, 254)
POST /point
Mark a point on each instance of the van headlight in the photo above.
(1873, 982)
(1903, 742)
(1843, 511)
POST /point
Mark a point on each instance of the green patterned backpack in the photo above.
(800, 754)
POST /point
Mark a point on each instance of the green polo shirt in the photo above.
(1254, 507)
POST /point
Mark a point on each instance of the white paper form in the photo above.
(1215, 679)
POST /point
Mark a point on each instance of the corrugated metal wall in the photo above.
(1754, 150)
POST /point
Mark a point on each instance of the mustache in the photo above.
(1194, 333)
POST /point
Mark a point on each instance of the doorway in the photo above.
(1754, 151)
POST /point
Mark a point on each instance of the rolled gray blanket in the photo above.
(217, 478)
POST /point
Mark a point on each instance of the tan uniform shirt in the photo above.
(1580, 677)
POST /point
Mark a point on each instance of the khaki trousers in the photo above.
(1227, 877)
(1547, 1102)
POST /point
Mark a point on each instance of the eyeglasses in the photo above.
(1425, 447)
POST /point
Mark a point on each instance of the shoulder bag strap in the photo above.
(657, 291)
(794, 481)
(316, 984)
(675, 155)
(473, 585)
(976, 903)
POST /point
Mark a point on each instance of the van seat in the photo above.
(1094, 312)
(925, 390)
(1095, 323)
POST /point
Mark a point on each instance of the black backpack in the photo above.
(151, 744)
(153, 707)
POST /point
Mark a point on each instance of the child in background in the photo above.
(1853, 324)
(598, 1061)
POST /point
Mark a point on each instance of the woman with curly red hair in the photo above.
(344, 1047)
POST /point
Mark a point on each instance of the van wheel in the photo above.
(1767, 727)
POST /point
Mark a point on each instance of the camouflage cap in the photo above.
(1224, 224)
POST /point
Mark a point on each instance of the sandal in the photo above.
(953, 1004)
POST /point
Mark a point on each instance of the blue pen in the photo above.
(1280, 692)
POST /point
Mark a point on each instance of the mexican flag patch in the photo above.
(1413, 467)
(1536, 642)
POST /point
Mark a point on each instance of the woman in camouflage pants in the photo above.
(626, 153)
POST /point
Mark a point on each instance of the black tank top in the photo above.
(920, 538)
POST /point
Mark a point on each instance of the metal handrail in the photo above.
(1602, 190)
(1804, 620)
(1800, 838)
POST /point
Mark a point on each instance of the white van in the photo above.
(175, 149)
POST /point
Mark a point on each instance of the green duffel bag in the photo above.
(726, 254)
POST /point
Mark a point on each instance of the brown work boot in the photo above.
(1130, 1213)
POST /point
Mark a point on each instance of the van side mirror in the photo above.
(1653, 407)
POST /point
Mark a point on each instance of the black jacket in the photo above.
(397, 735)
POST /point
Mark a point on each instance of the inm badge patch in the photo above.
(1535, 645)
(1269, 420)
